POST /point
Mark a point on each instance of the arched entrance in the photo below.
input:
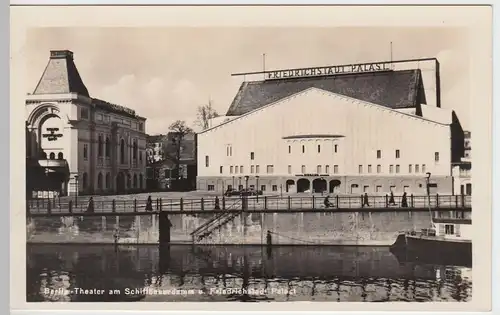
(335, 186)
(120, 182)
(290, 185)
(319, 185)
(303, 185)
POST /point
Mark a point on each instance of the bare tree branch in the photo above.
(204, 114)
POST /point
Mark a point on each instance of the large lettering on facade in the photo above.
(324, 71)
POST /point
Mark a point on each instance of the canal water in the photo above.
(237, 273)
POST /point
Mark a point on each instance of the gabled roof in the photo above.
(61, 76)
(393, 89)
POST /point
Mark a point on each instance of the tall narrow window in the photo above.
(410, 168)
(379, 168)
(319, 148)
(134, 150)
(289, 149)
(436, 156)
(122, 151)
(99, 146)
(369, 168)
(85, 151)
(360, 169)
(252, 155)
(423, 168)
(335, 169)
(379, 154)
(207, 161)
(397, 168)
(303, 169)
(270, 169)
(318, 169)
(241, 169)
(252, 169)
(108, 147)
(391, 168)
(231, 169)
(397, 154)
(236, 169)
(257, 169)
(221, 169)
(327, 169)
(416, 168)
(335, 147)
(289, 169)
(303, 148)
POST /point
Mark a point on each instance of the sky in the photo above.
(164, 74)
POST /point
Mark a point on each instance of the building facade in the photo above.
(77, 144)
(361, 131)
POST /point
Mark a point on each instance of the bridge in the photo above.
(72, 207)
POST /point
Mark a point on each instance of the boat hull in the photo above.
(432, 250)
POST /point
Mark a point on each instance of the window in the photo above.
(84, 113)
(327, 169)
(60, 156)
(335, 148)
(240, 187)
(99, 146)
(236, 169)
(211, 187)
(289, 149)
(252, 169)
(108, 147)
(140, 156)
(230, 151)
(397, 154)
(379, 154)
(134, 150)
(257, 169)
(423, 168)
(231, 169)
(141, 127)
(319, 148)
(449, 229)
(252, 187)
(207, 161)
(360, 169)
(378, 189)
(241, 169)
(108, 180)
(122, 151)
(379, 168)
(410, 168)
(252, 155)
(335, 169)
(221, 168)
(366, 188)
(369, 168)
(436, 156)
(227, 151)
(303, 148)
(318, 169)
(289, 169)
(274, 187)
(263, 187)
(270, 169)
(52, 156)
(391, 168)
(303, 169)
(397, 168)
(416, 168)
(85, 151)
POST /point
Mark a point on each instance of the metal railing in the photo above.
(66, 205)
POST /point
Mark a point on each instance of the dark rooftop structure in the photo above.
(393, 89)
(61, 77)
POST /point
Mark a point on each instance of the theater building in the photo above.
(77, 144)
(344, 129)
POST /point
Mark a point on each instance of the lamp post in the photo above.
(77, 189)
(246, 182)
(281, 190)
(257, 183)
(232, 187)
(239, 182)
(245, 195)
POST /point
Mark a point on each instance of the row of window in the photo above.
(240, 187)
(229, 152)
(85, 114)
(132, 182)
(411, 168)
(107, 150)
(52, 156)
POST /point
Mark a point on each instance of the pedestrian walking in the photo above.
(391, 199)
(216, 206)
(365, 200)
(404, 201)
(149, 204)
(90, 205)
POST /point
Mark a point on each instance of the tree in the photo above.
(204, 114)
(173, 149)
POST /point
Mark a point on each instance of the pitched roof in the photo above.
(393, 89)
(61, 76)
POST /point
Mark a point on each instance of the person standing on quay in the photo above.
(391, 199)
(404, 201)
(149, 204)
(90, 205)
(365, 201)
(216, 206)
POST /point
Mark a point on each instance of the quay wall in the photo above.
(362, 228)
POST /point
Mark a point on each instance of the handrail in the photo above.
(215, 218)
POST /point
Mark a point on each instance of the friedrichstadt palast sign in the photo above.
(331, 70)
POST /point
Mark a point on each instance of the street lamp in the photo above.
(77, 188)
(246, 182)
(232, 187)
(427, 179)
(281, 190)
(239, 182)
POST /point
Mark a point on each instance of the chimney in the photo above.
(61, 54)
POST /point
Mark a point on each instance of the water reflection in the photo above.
(232, 273)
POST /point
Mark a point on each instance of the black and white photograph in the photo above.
(249, 164)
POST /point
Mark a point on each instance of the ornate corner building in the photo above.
(77, 144)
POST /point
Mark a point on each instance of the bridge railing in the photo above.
(253, 202)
